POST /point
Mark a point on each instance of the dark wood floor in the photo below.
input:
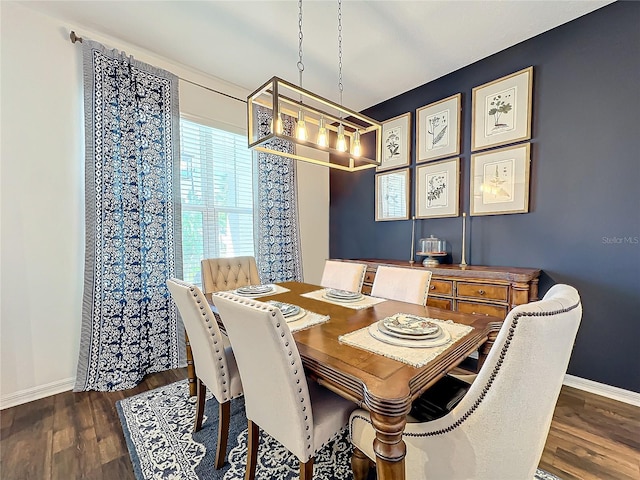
(78, 435)
(593, 437)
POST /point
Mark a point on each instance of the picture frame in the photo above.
(392, 195)
(438, 129)
(438, 189)
(500, 181)
(501, 111)
(396, 142)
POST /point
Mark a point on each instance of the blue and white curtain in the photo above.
(277, 230)
(133, 237)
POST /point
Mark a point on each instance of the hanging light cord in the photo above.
(340, 86)
(300, 36)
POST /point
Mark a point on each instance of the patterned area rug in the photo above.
(157, 426)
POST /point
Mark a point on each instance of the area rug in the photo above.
(157, 426)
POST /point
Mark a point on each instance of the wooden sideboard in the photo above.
(472, 289)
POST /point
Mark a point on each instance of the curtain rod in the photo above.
(74, 38)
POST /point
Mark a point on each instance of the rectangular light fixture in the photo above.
(339, 138)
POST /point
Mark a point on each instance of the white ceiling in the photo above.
(389, 47)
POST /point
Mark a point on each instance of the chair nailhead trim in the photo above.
(201, 301)
(285, 343)
(496, 369)
(487, 387)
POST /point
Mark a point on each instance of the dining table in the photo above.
(384, 386)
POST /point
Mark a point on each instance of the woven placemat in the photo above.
(276, 289)
(309, 320)
(365, 302)
(416, 357)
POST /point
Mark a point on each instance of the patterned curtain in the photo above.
(277, 230)
(133, 236)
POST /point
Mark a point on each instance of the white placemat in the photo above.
(364, 302)
(417, 357)
(276, 289)
(309, 320)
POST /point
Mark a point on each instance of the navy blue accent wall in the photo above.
(584, 222)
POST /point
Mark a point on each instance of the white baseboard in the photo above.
(36, 393)
(602, 389)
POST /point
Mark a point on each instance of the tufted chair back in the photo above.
(220, 274)
(403, 284)
(343, 275)
(278, 398)
(499, 428)
(213, 358)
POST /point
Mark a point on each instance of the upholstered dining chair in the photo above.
(222, 274)
(214, 361)
(499, 428)
(403, 284)
(343, 275)
(301, 416)
(228, 273)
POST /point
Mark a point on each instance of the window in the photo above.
(216, 190)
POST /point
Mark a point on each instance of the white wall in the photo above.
(42, 195)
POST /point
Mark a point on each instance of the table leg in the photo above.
(389, 447)
(191, 369)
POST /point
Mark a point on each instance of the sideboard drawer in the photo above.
(366, 289)
(481, 290)
(440, 287)
(444, 303)
(482, 308)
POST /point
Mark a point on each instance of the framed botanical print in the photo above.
(438, 189)
(396, 142)
(502, 111)
(500, 181)
(438, 129)
(392, 195)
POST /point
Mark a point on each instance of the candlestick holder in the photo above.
(463, 262)
(413, 236)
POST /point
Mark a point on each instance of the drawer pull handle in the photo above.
(481, 292)
(432, 287)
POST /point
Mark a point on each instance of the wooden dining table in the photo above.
(381, 385)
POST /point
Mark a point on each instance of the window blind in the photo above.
(216, 189)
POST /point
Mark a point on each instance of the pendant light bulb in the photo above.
(279, 125)
(301, 128)
(357, 148)
(323, 137)
(341, 144)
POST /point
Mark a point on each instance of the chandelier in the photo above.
(326, 133)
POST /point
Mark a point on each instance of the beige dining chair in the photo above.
(343, 275)
(213, 358)
(301, 416)
(403, 284)
(220, 274)
(499, 428)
